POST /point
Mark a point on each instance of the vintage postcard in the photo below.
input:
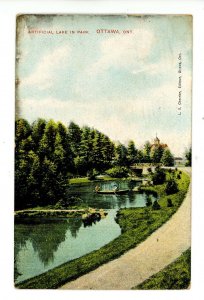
(103, 152)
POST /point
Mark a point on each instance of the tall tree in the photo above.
(74, 135)
(38, 128)
(97, 151)
(167, 158)
(156, 154)
(147, 151)
(188, 156)
(121, 155)
(131, 152)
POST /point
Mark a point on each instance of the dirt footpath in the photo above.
(160, 249)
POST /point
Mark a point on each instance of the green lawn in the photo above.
(84, 180)
(136, 225)
(175, 276)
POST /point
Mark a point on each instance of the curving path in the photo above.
(155, 253)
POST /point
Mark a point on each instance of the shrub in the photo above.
(169, 203)
(159, 176)
(148, 200)
(156, 205)
(70, 201)
(149, 170)
(171, 187)
(92, 174)
(118, 172)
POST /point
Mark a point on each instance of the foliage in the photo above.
(169, 202)
(188, 156)
(131, 153)
(156, 154)
(136, 225)
(118, 172)
(175, 276)
(156, 205)
(121, 155)
(148, 200)
(167, 158)
(171, 187)
(47, 154)
(146, 152)
(41, 163)
(159, 176)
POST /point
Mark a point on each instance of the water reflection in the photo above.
(46, 243)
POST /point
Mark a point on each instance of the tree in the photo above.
(146, 152)
(38, 128)
(22, 132)
(139, 157)
(43, 159)
(188, 156)
(121, 155)
(156, 153)
(47, 142)
(97, 154)
(167, 158)
(108, 152)
(74, 136)
(63, 155)
(131, 153)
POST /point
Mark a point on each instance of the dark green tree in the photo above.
(131, 152)
(188, 156)
(159, 176)
(156, 154)
(171, 187)
(121, 155)
(139, 157)
(146, 152)
(97, 151)
(74, 136)
(167, 158)
(38, 128)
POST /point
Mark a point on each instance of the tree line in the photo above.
(47, 154)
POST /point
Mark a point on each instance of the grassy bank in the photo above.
(85, 180)
(175, 276)
(136, 225)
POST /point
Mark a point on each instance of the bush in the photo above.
(118, 172)
(159, 176)
(148, 200)
(156, 205)
(70, 201)
(171, 187)
(169, 203)
(149, 170)
(92, 174)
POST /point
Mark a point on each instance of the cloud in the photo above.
(135, 119)
(123, 51)
(47, 68)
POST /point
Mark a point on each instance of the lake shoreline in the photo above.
(130, 237)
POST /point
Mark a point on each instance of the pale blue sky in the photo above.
(125, 85)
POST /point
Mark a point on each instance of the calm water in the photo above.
(47, 243)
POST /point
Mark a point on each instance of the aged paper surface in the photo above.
(103, 151)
